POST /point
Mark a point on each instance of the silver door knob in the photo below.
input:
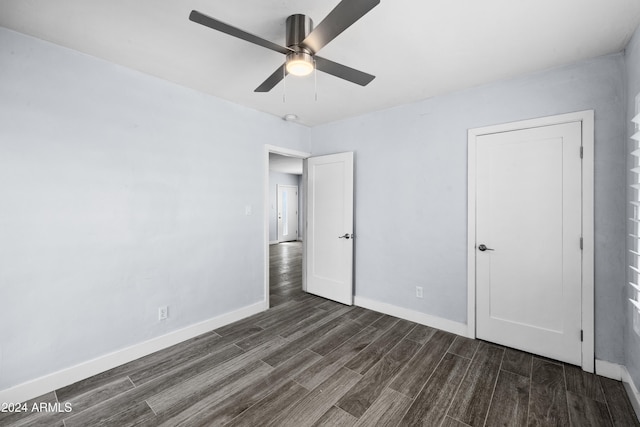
(484, 248)
(346, 236)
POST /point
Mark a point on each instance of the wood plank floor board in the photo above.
(510, 402)
(220, 377)
(292, 316)
(105, 409)
(290, 349)
(384, 322)
(256, 340)
(293, 331)
(237, 403)
(421, 334)
(464, 347)
(314, 405)
(450, 422)
(357, 400)
(189, 406)
(272, 406)
(156, 369)
(517, 362)
(304, 328)
(134, 415)
(548, 399)
(368, 318)
(207, 389)
(185, 393)
(434, 400)
(620, 407)
(386, 411)
(583, 383)
(336, 417)
(100, 394)
(368, 357)
(331, 363)
(586, 412)
(355, 313)
(417, 371)
(334, 340)
(474, 395)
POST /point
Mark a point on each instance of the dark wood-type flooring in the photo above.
(308, 361)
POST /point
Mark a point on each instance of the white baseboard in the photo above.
(609, 370)
(413, 316)
(273, 242)
(67, 376)
(632, 391)
(620, 373)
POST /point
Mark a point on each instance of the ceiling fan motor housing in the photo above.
(300, 61)
(298, 27)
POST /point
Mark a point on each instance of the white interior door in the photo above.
(287, 213)
(528, 247)
(329, 235)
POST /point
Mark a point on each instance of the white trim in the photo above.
(265, 258)
(67, 376)
(620, 373)
(632, 391)
(273, 242)
(609, 369)
(411, 315)
(587, 120)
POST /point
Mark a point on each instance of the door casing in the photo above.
(586, 118)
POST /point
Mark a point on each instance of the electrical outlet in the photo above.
(418, 291)
(163, 312)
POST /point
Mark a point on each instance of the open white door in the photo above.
(329, 241)
(287, 213)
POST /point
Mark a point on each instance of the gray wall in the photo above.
(411, 187)
(120, 193)
(275, 179)
(633, 88)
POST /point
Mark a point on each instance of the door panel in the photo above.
(528, 202)
(287, 213)
(330, 215)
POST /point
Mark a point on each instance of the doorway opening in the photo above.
(284, 224)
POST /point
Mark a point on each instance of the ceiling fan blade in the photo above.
(339, 19)
(273, 79)
(210, 22)
(342, 71)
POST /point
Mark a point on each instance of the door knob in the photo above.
(484, 248)
(346, 236)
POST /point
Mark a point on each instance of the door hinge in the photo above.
(581, 152)
(581, 243)
(581, 335)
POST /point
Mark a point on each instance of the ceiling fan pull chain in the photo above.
(284, 84)
(315, 78)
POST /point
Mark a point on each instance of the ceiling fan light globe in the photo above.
(299, 64)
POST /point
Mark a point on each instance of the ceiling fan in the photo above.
(303, 42)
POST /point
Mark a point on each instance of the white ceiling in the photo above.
(416, 48)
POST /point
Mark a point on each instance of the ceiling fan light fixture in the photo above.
(299, 64)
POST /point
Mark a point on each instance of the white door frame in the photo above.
(285, 152)
(587, 120)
